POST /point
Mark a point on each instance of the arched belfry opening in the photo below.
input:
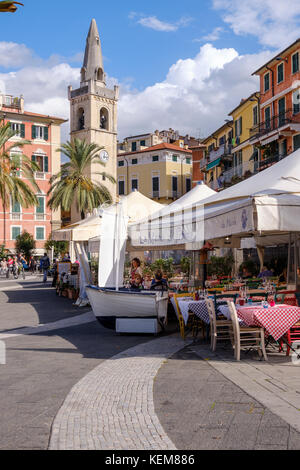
(104, 119)
(100, 74)
(83, 74)
(81, 119)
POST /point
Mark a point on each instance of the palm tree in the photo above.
(9, 6)
(72, 184)
(11, 185)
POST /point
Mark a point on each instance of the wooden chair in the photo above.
(182, 325)
(246, 337)
(219, 329)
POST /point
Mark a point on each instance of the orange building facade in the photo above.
(43, 134)
(278, 132)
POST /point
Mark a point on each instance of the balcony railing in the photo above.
(11, 102)
(220, 152)
(274, 123)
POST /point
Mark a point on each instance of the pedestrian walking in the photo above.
(45, 265)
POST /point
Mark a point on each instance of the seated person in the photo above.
(265, 272)
(246, 274)
(137, 283)
(159, 282)
(283, 276)
(147, 282)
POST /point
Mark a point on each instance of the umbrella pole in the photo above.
(289, 261)
(117, 248)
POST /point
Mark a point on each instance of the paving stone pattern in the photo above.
(112, 407)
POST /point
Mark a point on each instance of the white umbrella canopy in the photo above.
(135, 206)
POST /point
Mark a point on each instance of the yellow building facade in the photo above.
(162, 172)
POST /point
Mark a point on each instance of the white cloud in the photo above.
(197, 92)
(211, 37)
(274, 22)
(153, 22)
(14, 55)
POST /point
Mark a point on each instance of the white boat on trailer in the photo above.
(127, 311)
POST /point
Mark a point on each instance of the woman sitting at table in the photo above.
(283, 276)
(265, 272)
(159, 282)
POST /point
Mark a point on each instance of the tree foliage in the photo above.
(72, 185)
(25, 243)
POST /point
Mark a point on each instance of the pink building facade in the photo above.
(43, 134)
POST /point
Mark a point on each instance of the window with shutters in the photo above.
(121, 187)
(18, 129)
(134, 184)
(155, 186)
(295, 62)
(255, 115)
(15, 232)
(40, 208)
(40, 132)
(43, 163)
(296, 101)
(268, 117)
(16, 213)
(267, 82)
(280, 73)
(40, 233)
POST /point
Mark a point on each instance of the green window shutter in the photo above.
(23, 131)
(46, 164)
(33, 158)
(46, 133)
(235, 128)
(40, 209)
(33, 132)
(40, 233)
(241, 125)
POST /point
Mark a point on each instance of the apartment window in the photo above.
(188, 161)
(296, 142)
(40, 132)
(155, 186)
(40, 208)
(134, 184)
(280, 73)
(238, 125)
(121, 187)
(238, 163)
(134, 161)
(174, 185)
(295, 62)
(16, 210)
(42, 161)
(143, 143)
(174, 158)
(222, 140)
(268, 117)
(188, 184)
(211, 147)
(296, 101)
(121, 163)
(133, 146)
(281, 111)
(255, 116)
(15, 232)
(16, 163)
(40, 233)
(267, 81)
(18, 129)
(155, 158)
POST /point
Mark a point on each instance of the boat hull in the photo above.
(108, 305)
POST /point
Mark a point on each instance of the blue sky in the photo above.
(179, 64)
(131, 51)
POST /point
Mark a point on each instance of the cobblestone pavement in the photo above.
(112, 408)
(200, 409)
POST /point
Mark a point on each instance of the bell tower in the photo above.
(93, 114)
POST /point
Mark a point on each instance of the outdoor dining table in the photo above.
(275, 320)
(197, 307)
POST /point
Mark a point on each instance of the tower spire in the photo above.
(93, 63)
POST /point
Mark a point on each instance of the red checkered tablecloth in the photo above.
(276, 320)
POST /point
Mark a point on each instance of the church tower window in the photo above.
(104, 119)
(81, 119)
